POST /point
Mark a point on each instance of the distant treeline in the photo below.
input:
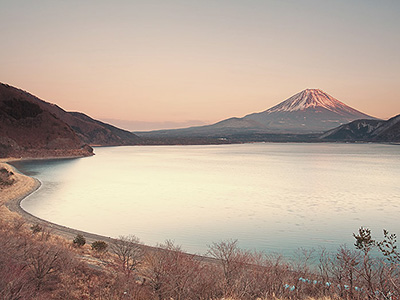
(230, 139)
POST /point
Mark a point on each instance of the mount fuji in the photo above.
(307, 112)
(311, 110)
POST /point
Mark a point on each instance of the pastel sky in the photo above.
(171, 63)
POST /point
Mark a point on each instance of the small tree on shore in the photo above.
(36, 228)
(79, 240)
(365, 244)
(99, 246)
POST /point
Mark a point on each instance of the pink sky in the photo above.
(159, 64)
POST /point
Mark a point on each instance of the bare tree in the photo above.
(303, 260)
(278, 275)
(344, 270)
(129, 251)
(44, 260)
(226, 253)
(206, 282)
(390, 274)
(365, 244)
(170, 272)
(14, 282)
(236, 265)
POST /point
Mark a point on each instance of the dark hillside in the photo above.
(90, 131)
(366, 131)
(29, 130)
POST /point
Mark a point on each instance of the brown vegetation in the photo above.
(31, 127)
(6, 177)
(35, 264)
(29, 130)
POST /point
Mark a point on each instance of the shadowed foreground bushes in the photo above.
(38, 265)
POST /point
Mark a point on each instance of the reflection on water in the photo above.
(272, 197)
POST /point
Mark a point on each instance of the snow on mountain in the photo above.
(353, 131)
(366, 131)
(307, 112)
(311, 110)
(312, 98)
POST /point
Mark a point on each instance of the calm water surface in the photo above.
(271, 197)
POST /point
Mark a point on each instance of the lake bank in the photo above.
(270, 197)
(23, 186)
(12, 196)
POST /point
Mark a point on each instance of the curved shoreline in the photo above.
(11, 197)
(25, 186)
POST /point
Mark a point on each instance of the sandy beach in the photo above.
(10, 208)
(11, 197)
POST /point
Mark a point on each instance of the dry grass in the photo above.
(166, 273)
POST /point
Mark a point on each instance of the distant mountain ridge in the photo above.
(31, 125)
(366, 131)
(309, 111)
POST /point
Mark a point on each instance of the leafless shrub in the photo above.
(227, 253)
(36, 228)
(170, 272)
(45, 262)
(14, 282)
(40, 266)
(129, 252)
(245, 274)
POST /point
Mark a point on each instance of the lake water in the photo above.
(271, 197)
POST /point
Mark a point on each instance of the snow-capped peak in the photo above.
(311, 99)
